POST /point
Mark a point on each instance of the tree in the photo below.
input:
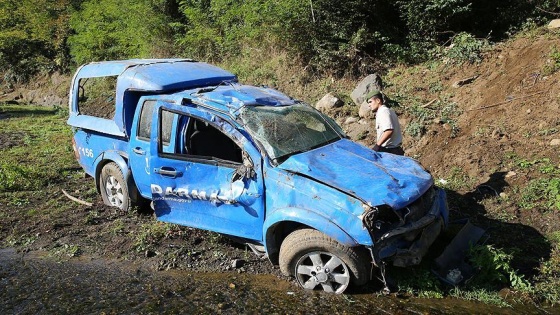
(115, 29)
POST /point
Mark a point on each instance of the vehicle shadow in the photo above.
(526, 244)
(21, 111)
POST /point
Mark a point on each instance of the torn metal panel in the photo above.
(451, 266)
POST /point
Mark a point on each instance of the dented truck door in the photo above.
(211, 179)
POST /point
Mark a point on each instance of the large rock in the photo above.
(371, 82)
(554, 24)
(329, 101)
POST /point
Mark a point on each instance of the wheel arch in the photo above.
(282, 222)
(121, 159)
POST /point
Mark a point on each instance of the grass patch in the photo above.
(541, 193)
(480, 295)
(28, 165)
(456, 180)
(553, 63)
(151, 234)
(426, 104)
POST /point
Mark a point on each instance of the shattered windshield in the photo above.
(287, 130)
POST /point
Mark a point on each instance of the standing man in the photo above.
(389, 137)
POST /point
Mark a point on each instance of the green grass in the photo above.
(41, 137)
(425, 103)
(152, 233)
(542, 192)
(553, 63)
(480, 295)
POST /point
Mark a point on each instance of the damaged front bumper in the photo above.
(407, 243)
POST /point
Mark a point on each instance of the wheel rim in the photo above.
(114, 191)
(322, 269)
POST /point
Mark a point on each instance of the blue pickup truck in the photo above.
(252, 163)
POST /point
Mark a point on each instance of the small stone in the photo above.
(351, 120)
(232, 286)
(528, 111)
(237, 263)
(510, 174)
(555, 142)
(503, 195)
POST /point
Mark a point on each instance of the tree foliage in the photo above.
(117, 29)
(351, 37)
(32, 36)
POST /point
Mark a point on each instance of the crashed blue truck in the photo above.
(252, 163)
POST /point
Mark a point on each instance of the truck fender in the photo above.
(112, 156)
(304, 217)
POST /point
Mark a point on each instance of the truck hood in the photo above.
(375, 178)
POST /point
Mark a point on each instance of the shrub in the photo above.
(465, 48)
(495, 268)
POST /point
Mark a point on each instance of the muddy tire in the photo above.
(114, 188)
(320, 262)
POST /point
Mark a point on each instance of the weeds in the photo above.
(457, 180)
(66, 250)
(465, 48)
(494, 268)
(150, 234)
(544, 192)
(480, 295)
(421, 283)
(553, 63)
(22, 240)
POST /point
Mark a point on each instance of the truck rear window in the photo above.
(96, 97)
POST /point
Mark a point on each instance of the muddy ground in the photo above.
(95, 259)
(34, 283)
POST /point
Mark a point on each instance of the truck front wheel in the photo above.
(114, 188)
(318, 261)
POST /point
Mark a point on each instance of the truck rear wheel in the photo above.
(318, 261)
(113, 187)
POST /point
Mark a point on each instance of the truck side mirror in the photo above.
(245, 170)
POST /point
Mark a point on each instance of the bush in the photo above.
(465, 48)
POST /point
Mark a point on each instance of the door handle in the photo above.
(167, 171)
(138, 150)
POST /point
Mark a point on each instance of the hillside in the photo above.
(508, 112)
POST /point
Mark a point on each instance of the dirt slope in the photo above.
(510, 106)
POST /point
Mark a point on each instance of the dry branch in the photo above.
(505, 102)
(89, 204)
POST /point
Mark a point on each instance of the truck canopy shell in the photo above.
(141, 75)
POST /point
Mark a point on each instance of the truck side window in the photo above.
(205, 140)
(145, 122)
(96, 97)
